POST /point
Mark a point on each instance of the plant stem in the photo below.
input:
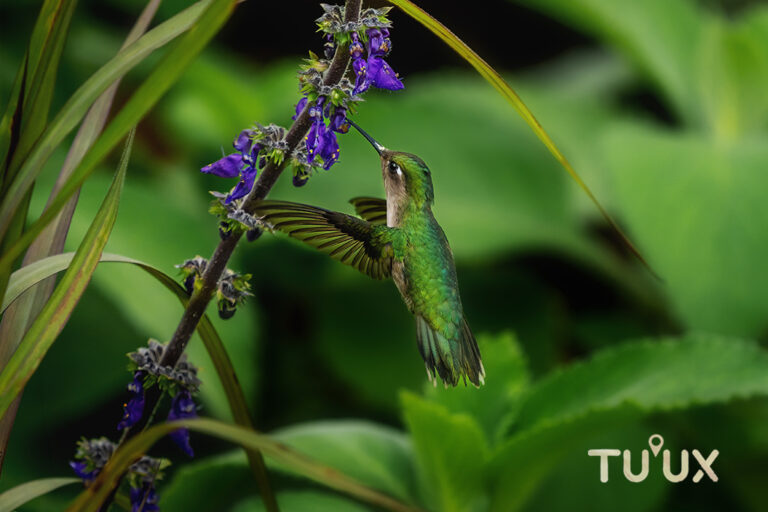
(218, 261)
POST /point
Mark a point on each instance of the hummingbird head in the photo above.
(407, 179)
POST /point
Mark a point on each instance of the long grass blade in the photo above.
(498, 83)
(92, 497)
(13, 498)
(33, 104)
(51, 320)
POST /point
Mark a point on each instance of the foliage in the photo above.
(602, 355)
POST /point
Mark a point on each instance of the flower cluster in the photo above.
(328, 106)
(93, 454)
(179, 381)
(232, 288)
(368, 43)
(374, 70)
(244, 163)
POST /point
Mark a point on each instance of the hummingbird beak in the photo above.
(378, 147)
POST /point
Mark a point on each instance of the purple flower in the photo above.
(358, 64)
(381, 75)
(144, 498)
(133, 410)
(317, 130)
(328, 149)
(339, 122)
(374, 71)
(80, 469)
(182, 407)
(242, 164)
(227, 167)
(300, 107)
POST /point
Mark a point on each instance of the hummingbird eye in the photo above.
(395, 169)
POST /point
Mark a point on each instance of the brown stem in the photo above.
(218, 262)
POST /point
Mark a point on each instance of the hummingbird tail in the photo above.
(450, 359)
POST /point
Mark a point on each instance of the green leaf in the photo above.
(42, 333)
(522, 463)
(225, 479)
(376, 456)
(29, 276)
(21, 494)
(78, 104)
(94, 495)
(302, 501)
(567, 409)
(697, 209)
(498, 83)
(573, 483)
(451, 453)
(661, 37)
(494, 405)
(653, 375)
(735, 76)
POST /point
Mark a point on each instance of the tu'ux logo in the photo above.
(656, 442)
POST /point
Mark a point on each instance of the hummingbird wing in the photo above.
(372, 209)
(345, 238)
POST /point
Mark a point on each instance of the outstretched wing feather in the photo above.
(371, 209)
(352, 241)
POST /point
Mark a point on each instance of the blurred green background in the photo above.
(661, 105)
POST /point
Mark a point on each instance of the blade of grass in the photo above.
(42, 42)
(55, 314)
(13, 498)
(31, 114)
(51, 241)
(28, 276)
(41, 79)
(79, 103)
(498, 83)
(91, 498)
(11, 120)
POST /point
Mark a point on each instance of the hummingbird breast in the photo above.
(426, 274)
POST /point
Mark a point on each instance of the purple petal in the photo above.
(133, 410)
(227, 167)
(375, 38)
(356, 50)
(329, 149)
(314, 138)
(361, 75)
(244, 185)
(243, 141)
(339, 122)
(300, 107)
(381, 75)
(182, 407)
(80, 470)
(144, 498)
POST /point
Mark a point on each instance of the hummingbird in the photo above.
(399, 238)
